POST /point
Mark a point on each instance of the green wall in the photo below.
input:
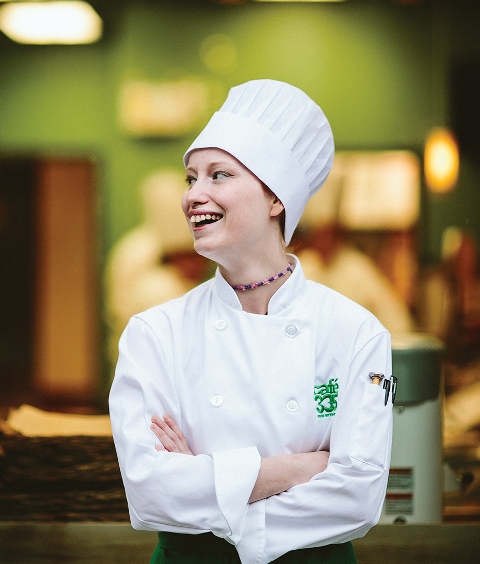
(367, 63)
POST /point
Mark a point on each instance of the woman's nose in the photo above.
(196, 193)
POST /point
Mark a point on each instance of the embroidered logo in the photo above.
(326, 398)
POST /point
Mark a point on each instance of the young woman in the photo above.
(246, 415)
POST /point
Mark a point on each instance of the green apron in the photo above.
(206, 548)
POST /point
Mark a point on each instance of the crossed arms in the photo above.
(277, 473)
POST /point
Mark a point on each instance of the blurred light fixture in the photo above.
(43, 23)
(219, 54)
(441, 160)
(300, 1)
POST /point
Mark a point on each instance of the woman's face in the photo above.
(228, 209)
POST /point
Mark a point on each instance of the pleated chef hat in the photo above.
(279, 134)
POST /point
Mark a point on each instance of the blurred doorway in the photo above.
(49, 295)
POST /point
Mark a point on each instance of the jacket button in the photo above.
(221, 324)
(291, 330)
(292, 405)
(216, 400)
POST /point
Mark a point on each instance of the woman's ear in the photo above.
(277, 207)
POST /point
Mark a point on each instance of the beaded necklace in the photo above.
(243, 287)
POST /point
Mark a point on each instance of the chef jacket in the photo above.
(243, 386)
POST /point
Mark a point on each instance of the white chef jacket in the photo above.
(243, 386)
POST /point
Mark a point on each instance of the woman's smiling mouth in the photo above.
(204, 219)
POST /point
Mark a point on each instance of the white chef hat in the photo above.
(279, 134)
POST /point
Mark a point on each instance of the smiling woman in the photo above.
(226, 448)
(245, 213)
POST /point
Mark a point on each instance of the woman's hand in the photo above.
(169, 434)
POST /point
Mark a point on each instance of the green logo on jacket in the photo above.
(326, 398)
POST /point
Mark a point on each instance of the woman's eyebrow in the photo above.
(212, 165)
(221, 164)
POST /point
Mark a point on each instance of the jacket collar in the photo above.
(283, 297)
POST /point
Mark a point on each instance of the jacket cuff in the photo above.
(251, 548)
(236, 472)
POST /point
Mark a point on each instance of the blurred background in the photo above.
(92, 136)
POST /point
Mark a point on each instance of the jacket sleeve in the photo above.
(345, 501)
(171, 491)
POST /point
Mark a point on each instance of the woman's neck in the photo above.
(251, 272)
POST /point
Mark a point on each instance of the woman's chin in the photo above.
(205, 250)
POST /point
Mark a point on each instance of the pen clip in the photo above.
(386, 387)
(394, 380)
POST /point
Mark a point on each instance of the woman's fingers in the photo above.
(178, 433)
(169, 435)
(164, 434)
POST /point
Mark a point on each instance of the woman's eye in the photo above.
(221, 174)
(190, 180)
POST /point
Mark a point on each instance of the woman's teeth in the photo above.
(204, 219)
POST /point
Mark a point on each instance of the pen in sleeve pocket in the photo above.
(376, 377)
(386, 386)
